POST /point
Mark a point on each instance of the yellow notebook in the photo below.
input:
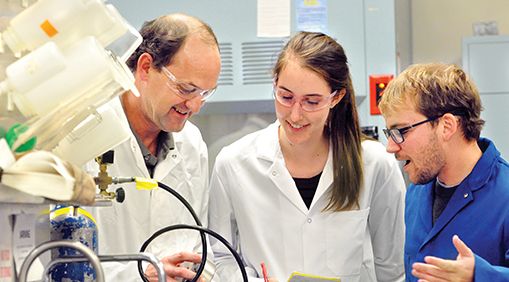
(302, 277)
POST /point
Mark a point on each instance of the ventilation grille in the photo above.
(226, 75)
(258, 58)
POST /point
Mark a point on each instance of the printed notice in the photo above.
(24, 240)
(273, 18)
(311, 15)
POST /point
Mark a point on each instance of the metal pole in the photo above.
(37, 251)
(148, 257)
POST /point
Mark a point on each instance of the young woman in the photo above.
(308, 193)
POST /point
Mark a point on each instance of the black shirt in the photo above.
(307, 188)
(441, 196)
(164, 145)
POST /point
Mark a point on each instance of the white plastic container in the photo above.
(55, 107)
(92, 137)
(87, 67)
(34, 68)
(64, 22)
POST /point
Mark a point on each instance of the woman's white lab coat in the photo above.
(124, 227)
(255, 204)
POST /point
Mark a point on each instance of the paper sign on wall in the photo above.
(273, 18)
(311, 15)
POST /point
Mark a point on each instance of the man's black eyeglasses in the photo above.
(397, 133)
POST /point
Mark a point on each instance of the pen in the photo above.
(264, 272)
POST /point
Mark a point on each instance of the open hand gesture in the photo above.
(441, 270)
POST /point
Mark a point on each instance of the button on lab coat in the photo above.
(124, 227)
(257, 207)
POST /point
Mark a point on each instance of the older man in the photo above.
(176, 68)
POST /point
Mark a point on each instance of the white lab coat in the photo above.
(125, 226)
(256, 206)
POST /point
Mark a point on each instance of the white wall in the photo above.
(438, 28)
(403, 34)
(439, 25)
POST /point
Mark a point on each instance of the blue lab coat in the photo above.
(478, 212)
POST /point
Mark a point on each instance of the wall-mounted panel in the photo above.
(486, 58)
(248, 59)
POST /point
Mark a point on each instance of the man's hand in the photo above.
(441, 270)
(173, 269)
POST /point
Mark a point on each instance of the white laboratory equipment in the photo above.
(63, 22)
(81, 78)
(61, 61)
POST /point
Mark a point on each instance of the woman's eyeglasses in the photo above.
(309, 103)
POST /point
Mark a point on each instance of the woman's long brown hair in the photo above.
(323, 55)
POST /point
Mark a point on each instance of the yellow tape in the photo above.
(145, 183)
(69, 210)
(87, 214)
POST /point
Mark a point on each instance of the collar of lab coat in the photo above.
(463, 195)
(268, 149)
(164, 166)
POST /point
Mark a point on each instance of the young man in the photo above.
(460, 182)
(176, 68)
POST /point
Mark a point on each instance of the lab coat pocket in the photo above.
(345, 236)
